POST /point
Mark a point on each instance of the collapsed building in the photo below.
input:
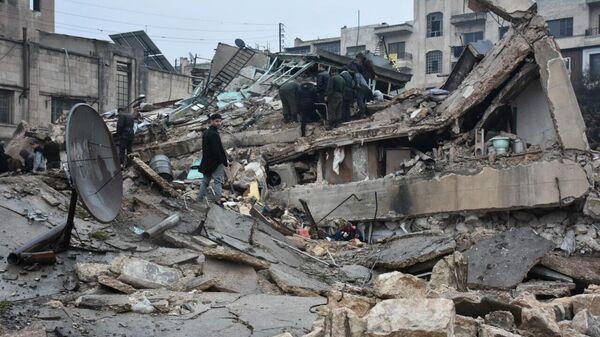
(478, 203)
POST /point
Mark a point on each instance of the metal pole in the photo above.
(280, 37)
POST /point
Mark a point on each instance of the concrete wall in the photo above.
(16, 14)
(534, 122)
(521, 186)
(366, 37)
(163, 86)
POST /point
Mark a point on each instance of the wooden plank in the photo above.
(164, 185)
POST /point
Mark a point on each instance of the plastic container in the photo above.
(501, 144)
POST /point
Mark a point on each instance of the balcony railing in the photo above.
(594, 31)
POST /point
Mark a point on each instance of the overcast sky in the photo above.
(179, 27)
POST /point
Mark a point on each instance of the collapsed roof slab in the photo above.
(510, 10)
(562, 101)
(539, 184)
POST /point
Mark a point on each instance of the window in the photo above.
(34, 5)
(6, 106)
(61, 106)
(298, 50)
(434, 62)
(502, 31)
(435, 24)
(561, 27)
(472, 37)
(123, 84)
(457, 51)
(595, 64)
(353, 51)
(568, 64)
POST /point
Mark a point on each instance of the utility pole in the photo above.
(281, 36)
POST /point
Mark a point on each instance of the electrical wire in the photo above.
(172, 16)
(185, 29)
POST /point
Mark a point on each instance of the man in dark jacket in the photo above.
(322, 81)
(52, 153)
(214, 159)
(125, 134)
(348, 95)
(335, 97)
(288, 93)
(307, 97)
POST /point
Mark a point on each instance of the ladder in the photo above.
(229, 71)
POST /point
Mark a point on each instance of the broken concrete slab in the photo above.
(465, 326)
(294, 281)
(270, 315)
(201, 283)
(451, 271)
(412, 249)
(261, 137)
(580, 268)
(398, 285)
(147, 275)
(232, 277)
(501, 319)
(562, 101)
(546, 288)
(538, 184)
(220, 221)
(412, 318)
(492, 262)
(592, 207)
(116, 303)
(115, 284)
(510, 10)
(591, 302)
(226, 254)
(356, 273)
(483, 306)
(492, 331)
(89, 272)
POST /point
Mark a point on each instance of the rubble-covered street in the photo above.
(470, 210)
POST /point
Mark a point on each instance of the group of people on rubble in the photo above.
(39, 156)
(331, 98)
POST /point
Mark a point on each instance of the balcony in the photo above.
(466, 18)
(394, 29)
(594, 31)
(401, 60)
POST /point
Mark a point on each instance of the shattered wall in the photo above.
(162, 86)
(539, 184)
(534, 123)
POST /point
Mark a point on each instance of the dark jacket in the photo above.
(28, 159)
(125, 125)
(349, 88)
(213, 153)
(52, 154)
(307, 97)
(336, 86)
(322, 81)
(3, 161)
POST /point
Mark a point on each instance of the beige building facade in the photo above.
(430, 45)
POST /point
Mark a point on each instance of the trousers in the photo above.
(217, 176)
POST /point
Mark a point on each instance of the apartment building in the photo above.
(430, 45)
(43, 74)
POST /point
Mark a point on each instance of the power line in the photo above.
(161, 27)
(172, 16)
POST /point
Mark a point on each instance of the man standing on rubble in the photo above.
(288, 93)
(214, 159)
(307, 98)
(125, 134)
(322, 81)
(348, 98)
(335, 97)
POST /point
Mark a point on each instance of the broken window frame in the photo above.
(435, 24)
(399, 48)
(6, 106)
(433, 62)
(61, 104)
(332, 47)
(561, 27)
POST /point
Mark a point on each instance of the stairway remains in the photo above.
(231, 69)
